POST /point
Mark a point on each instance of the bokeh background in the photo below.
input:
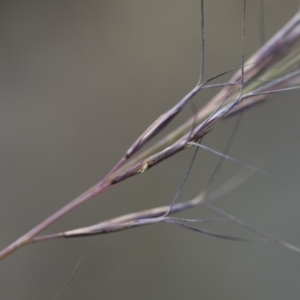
(79, 81)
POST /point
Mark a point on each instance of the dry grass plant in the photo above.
(274, 68)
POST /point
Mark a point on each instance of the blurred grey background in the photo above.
(79, 81)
